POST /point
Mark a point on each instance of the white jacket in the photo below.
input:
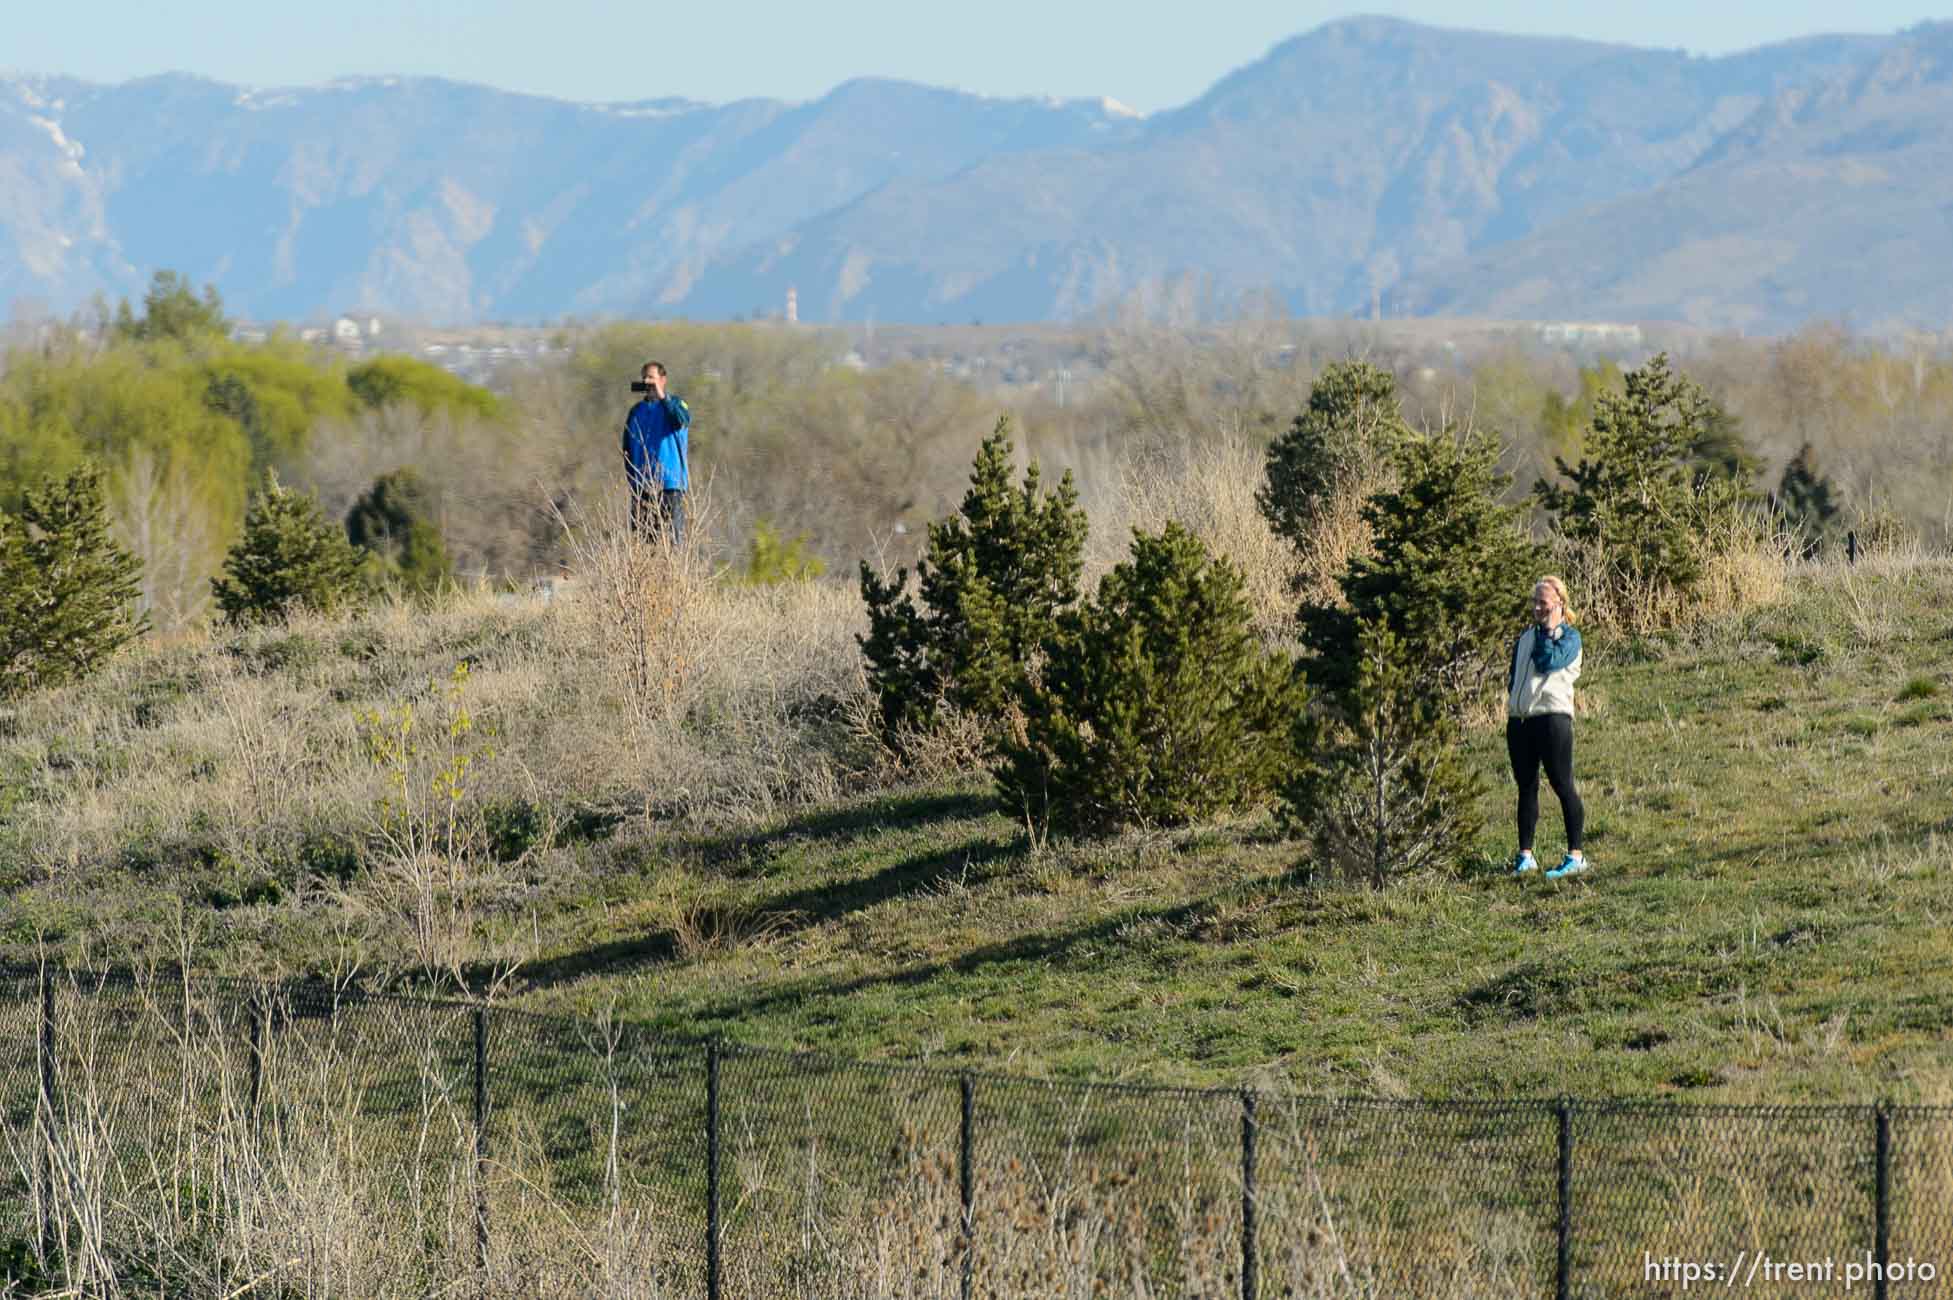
(1543, 682)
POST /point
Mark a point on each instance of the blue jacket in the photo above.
(1544, 670)
(656, 438)
(1550, 655)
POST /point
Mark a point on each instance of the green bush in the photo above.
(396, 380)
(1384, 789)
(289, 558)
(991, 583)
(67, 589)
(773, 559)
(1423, 623)
(1449, 574)
(1156, 704)
(513, 827)
(277, 392)
(1335, 454)
(394, 521)
(1639, 508)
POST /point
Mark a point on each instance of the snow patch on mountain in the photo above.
(71, 150)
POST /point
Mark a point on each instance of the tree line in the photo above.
(1152, 700)
(811, 463)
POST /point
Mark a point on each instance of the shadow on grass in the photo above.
(1027, 949)
(658, 948)
(853, 821)
(781, 913)
(818, 904)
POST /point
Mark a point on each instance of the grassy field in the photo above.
(1770, 823)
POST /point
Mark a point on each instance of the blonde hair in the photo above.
(1558, 584)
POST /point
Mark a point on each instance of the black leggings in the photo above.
(1546, 738)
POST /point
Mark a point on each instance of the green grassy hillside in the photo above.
(1770, 822)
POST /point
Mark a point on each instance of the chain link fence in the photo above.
(191, 1136)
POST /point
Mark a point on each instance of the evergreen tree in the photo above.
(1633, 500)
(229, 395)
(172, 311)
(1448, 575)
(394, 521)
(288, 558)
(1156, 704)
(1424, 620)
(67, 590)
(1336, 446)
(1721, 454)
(991, 583)
(1804, 501)
(1383, 789)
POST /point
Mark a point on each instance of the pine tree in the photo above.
(230, 395)
(1448, 575)
(1804, 501)
(1156, 705)
(1382, 787)
(1633, 500)
(991, 582)
(1721, 455)
(394, 520)
(1338, 445)
(67, 589)
(172, 311)
(288, 558)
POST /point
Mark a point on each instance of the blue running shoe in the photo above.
(1569, 866)
(1524, 862)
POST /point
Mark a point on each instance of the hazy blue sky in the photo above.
(1148, 54)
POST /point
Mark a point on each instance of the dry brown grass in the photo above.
(354, 1175)
(649, 687)
(348, 1163)
(1207, 484)
(1745, 565)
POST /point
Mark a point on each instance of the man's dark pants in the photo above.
(656, 514)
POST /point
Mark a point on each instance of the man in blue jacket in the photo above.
(656, 435)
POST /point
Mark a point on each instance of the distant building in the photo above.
(1590, 334)
(793, 306)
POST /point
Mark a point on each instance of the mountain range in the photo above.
(1370, 165)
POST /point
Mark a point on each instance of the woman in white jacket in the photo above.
(1539, 724)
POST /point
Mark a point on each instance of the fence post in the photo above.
(481, 1138)
(256, 1029)
(712, 1261)
(967, 1167)
(1250, 1280)
(1851, 547)
(1564, 1285)
(1883, 1235)
(48, 1082)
